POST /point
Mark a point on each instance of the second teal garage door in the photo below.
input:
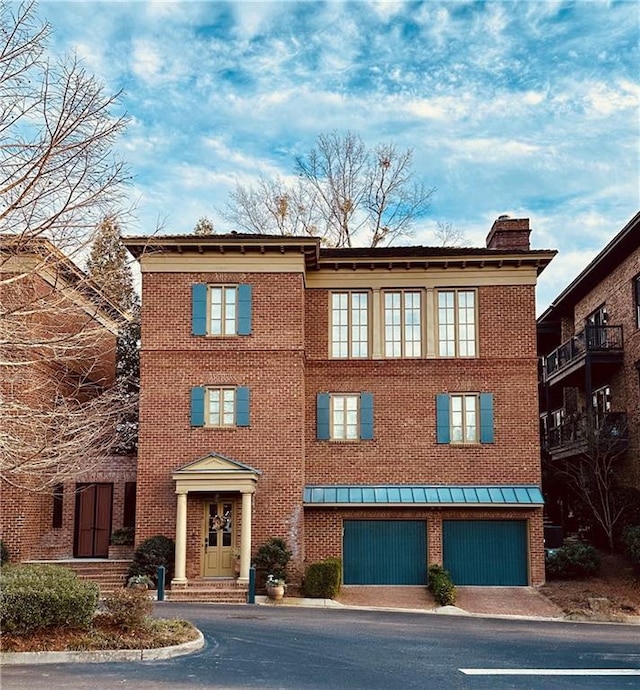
(486, 552)
(383, 552)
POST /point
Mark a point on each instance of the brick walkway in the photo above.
(519, 601)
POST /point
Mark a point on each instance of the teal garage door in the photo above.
(383, 552)
(486, 552)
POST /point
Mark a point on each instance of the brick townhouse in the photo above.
(589, 342)
(379, 405)
(46, 515)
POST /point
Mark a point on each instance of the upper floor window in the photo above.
(457, 323)
(344, 416)
(219, 406)
(464, 418)
(636, 299)
(221, 310)
(350, 324)
(403, 323)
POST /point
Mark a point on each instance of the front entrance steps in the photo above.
(206, 589)
(109, 575)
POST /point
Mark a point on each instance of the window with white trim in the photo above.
(403, 323)
(350, 325)
(457, 323)
(220, 407)
(464, 418)
(344, 416)
(223, 301)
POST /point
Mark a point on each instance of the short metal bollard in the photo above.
(161, 574)
(251, 594)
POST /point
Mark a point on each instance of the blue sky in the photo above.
(525, 108)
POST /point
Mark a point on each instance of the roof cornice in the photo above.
(618, 249)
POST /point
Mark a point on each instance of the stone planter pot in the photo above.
(275, 592)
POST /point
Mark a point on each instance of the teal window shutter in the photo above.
(322, 416)
(486, 417)
(366, 416)
(244, 309)
(443, 430)
(199, 309)
(197, 406)
(242, 406)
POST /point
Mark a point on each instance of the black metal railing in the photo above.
(609, 432)
(591, 339)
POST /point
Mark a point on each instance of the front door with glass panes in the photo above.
(219, 539)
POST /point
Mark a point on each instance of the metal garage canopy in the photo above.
(411, 494)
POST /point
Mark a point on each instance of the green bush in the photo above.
(273, 557)
(122, 537)
(44, 596)
(441, 586)
(631, 539)
(322, 580)
(572, 562)
(153, 552)
(129, 608)
(4, 553)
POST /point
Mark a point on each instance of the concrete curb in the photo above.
(24, 658)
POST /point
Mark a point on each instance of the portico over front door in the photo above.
(219, 539)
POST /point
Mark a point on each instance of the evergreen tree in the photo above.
(109, 269)
(108, 265)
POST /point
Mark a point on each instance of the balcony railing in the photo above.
(608, 433)
(591, 339)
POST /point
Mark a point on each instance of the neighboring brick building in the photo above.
(379, 405)
(44, 298)
(589, 342)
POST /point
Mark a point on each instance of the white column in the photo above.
(245, 538)
(181, 540)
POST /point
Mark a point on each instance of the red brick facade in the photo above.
(57, 302)
(285, 363)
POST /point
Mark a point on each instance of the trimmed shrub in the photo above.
(273, 557)
(122, 537)
(441, 585)
(153, 552)
(129, 608)
(631, 539)
(572, 562)
(322, 580)
(4, 553)
(44, 596)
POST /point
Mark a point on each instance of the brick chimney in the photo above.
(509, 233)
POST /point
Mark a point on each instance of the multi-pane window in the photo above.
(636, 298)
(345, 417)
(221, 407)
(223, 300)
(402, 324)
(457, 323)
(464, 418)
(350, 324)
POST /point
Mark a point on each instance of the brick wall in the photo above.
(616, 292)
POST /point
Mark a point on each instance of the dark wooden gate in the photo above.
(93, 520)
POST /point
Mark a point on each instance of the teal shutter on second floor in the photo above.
(322, 417)
(242, 406)
(443, 432)
(199, 309)
(486, 418)
(366, 416)
(244, 309)
(197, 406)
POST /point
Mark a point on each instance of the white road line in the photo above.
(550, 671)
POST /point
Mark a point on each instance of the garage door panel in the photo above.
(379, 552)
(486, 552)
